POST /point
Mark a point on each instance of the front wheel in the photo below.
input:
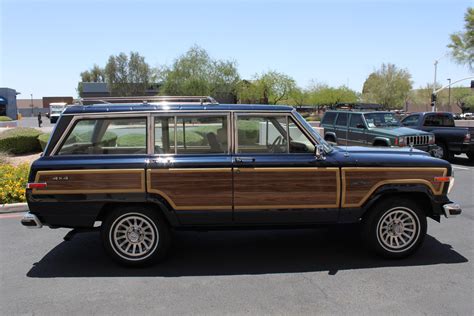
(135, 236)
(395, 228)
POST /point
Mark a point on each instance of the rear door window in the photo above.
(329, 118)
(341, 119)
(439, 119)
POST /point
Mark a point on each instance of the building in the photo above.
(8, 105)
(31, 107)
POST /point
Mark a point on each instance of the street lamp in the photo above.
(32, 112)
(449, 93)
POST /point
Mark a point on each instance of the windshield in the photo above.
(57, 109)
(383, 119)
(309, 128)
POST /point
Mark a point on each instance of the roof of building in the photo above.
(147, 107)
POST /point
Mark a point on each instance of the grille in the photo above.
(417, 140)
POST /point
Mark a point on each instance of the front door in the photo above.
(357, 131)
(191, 170)
(277, 178)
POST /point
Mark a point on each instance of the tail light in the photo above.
(467, 138)
(36, 185)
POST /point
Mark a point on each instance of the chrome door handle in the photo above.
(244, 159)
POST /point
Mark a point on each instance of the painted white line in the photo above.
(460, 168)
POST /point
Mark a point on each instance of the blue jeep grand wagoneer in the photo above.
(141, 169)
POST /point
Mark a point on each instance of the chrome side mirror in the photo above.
(319, 152)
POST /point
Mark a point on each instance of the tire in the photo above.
(395, 228)
(443, 152)
(136, 236)
(470, 156)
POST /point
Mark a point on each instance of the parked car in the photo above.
(451, 140)
(372, 128)
(137, 171)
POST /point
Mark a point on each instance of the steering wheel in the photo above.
(276, 145)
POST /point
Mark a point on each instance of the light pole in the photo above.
(449, 94)
(32, 111)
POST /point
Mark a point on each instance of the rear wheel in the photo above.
(135, 236)
(395, 228)
(470, 155)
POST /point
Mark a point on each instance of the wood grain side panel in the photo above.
(271, 188)
(91, 181)
(359, 183)
(193, 189)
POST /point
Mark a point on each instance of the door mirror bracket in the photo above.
(319, 152)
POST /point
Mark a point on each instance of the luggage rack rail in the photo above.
(202, 100)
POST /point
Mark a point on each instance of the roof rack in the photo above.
(202, 100)
(358, 106)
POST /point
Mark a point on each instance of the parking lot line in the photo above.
(15, 215)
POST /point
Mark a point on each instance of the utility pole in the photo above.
(449, 93)
(433, 95)
(32, 111)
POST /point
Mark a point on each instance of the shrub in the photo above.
(20, 141)
(43, 140)
(5, 119)
(13, 183)
(108, 140)
(131, 140)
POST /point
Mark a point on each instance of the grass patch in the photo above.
(5, 119)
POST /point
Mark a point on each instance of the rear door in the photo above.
(191, 169)
(276, 176)
(341, 128)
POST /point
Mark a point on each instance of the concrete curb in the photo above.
(14, 208)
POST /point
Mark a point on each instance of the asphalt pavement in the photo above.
(311, 271)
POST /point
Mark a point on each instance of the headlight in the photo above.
(431, 139)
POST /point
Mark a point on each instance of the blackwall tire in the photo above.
(136, 236)
(395, 228)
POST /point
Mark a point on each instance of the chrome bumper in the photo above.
(31, 221)
(452, 210)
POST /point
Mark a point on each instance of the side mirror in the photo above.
(360, 125)
(319, 152)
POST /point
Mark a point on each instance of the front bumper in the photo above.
(452, 210)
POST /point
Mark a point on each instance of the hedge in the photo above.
(43, 140)
(131, 140)
(5, 119)
(20, 140)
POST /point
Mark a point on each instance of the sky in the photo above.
(45, 45)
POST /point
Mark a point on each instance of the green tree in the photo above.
(196, 73)
(268, 88)
(388, 86)
(463, 98)
(323, 95)
(462, 43)
(95, 74)
(128, 75)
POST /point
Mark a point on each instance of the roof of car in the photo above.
(358, 111)
(149, 107)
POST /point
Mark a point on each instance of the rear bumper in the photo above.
(452, 210)
(31, 221)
